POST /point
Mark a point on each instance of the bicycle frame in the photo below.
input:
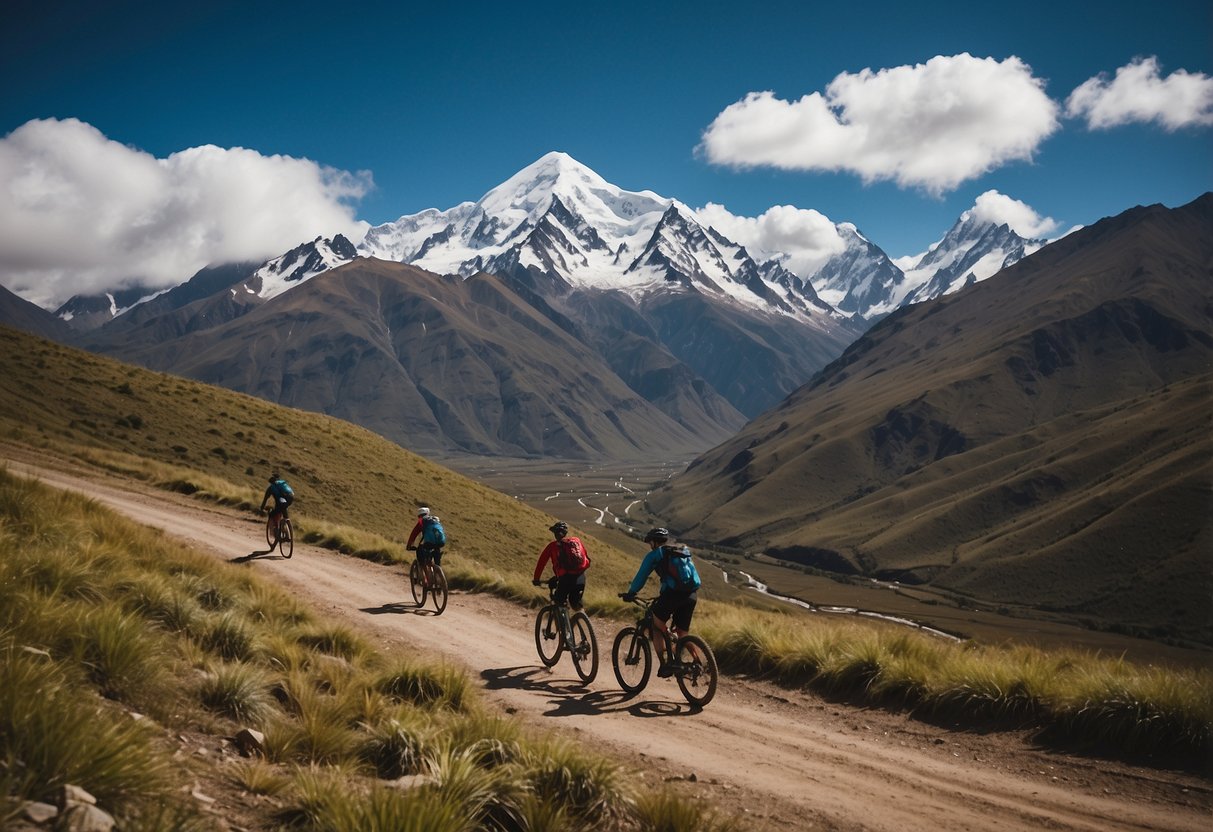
(688, 658)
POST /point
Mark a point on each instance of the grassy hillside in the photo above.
(341, 474)
(126, 665)
(187, 435)
(1040, 438)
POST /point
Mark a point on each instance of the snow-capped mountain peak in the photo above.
(300, 264)
(972, 250)
(560, 219)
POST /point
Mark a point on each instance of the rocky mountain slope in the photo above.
(1039, 437)
(439, 364)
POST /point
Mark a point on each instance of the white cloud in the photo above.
(1139, 93)
(932, 125)
(1021, 217)
(80, 213)
(808, 237)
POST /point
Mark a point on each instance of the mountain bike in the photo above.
(283, 537)
(691, 661)
(428, 579)
(556, 631)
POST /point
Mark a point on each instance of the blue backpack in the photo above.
(432, 532)
(677, 565)
(281, 488)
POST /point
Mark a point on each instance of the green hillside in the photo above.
(71, 400)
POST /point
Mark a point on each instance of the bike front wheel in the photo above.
(548, 642)
(632, 658)
(697, 674)
(584, 648)
(438, 588)
(271, 534)
(286, 539)
(417, 583)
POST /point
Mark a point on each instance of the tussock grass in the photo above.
(1072, 696)
(101, 617)
(238, 690)
(664, 811)
(409, 681)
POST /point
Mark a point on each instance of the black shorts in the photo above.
(427, 552)
(570, 588)
(281, 504)
(681, 605)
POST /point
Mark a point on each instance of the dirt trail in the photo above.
(785, 759)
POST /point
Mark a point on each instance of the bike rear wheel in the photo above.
(438, 588)
(584, 648)
(632, 658)
(417, 583)
(698, 674)
(286, 538)
(548, 642)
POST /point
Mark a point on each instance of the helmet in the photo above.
(423, 512)
(658, 535)
(274, 477)
(559, 528)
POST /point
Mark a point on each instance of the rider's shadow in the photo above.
(260, 554)
(570, 697)
(397, 608)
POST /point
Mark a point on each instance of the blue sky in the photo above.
(432, 105)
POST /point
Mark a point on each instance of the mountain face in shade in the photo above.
(1041, 437)
(19, 313)
(442, 365)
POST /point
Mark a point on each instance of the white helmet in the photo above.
(423, 512)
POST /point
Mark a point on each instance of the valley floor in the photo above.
(784, 759)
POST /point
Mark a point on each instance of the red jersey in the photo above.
(552, 552)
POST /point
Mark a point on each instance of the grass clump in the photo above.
(1078, 698)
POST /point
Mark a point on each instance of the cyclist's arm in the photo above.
(416, 531)
(642, 574)
(544, 556)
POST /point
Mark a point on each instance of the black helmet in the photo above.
(274, 477)
(658, 535)
(559, 528)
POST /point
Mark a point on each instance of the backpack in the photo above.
(283, 489)
(677, 565)
(571, 555)
(432, 532)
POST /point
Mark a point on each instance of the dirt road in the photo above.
(784, 759)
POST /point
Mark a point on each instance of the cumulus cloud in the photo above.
(808, 237)
(80, 213)
(1019, 216)
(1139, 93)
(932, 125)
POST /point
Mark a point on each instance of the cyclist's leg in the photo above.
(663, 607)
(576, 589)
(564, 588)
(683, 612)
(425, 558)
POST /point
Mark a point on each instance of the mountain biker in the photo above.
(673, 600)
(283, 495)
(427, 551)
(570, 560)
